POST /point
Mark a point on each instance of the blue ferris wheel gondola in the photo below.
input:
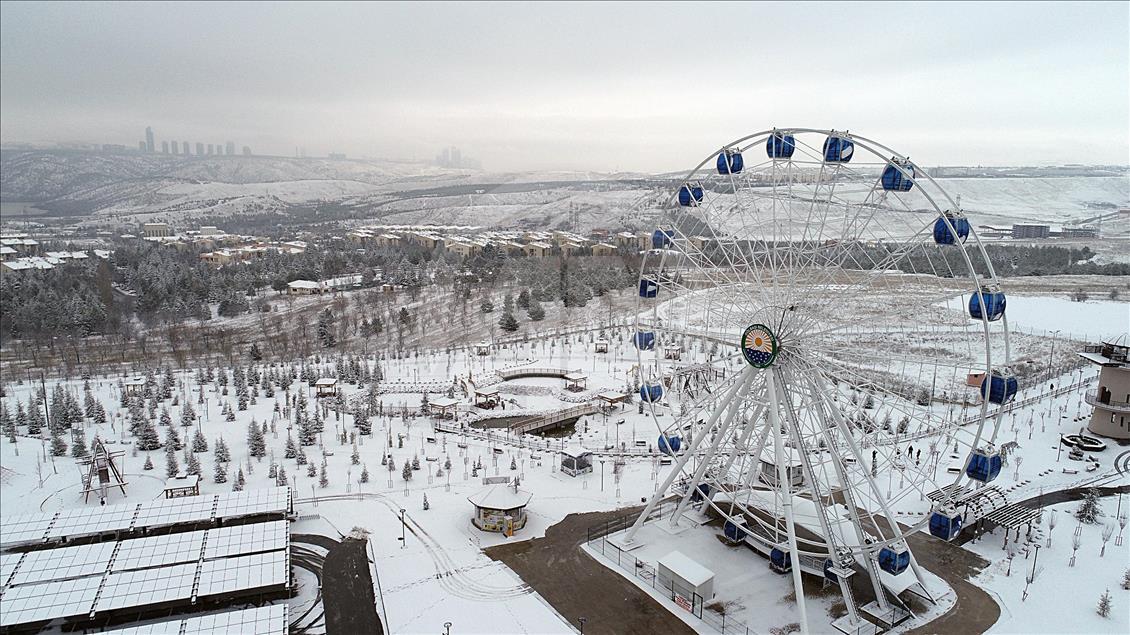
(662, 238)
(999, 388)
(730, 162)
(942, 233)
(994, 304)
(894, 559)
(651, 393)
(690, 195)
(898, 177)
(780, 146)
(838, 149)
(945, 524)
(735, 531)
(669, 445)
(984, 465)
(780, 560)
(648, 288)
(644, 340)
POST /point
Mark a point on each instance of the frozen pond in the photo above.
(1090, 320)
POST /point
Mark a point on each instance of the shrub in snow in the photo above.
(148, 463)
(1103, 608)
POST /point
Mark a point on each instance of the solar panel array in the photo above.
(27, 529)
(265, 620)
(142, 571)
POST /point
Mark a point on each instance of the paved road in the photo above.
(975, 610)
(578, 586)
(347, 591)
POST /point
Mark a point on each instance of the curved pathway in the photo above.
(347, 591)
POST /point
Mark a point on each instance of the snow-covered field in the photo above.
(441, 574)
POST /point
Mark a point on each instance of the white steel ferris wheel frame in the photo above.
(776, 385)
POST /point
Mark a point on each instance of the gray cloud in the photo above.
(583, 86)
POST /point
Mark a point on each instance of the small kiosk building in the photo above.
(500, 508)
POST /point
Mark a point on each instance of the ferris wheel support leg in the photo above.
(680, 464)
(723, 431)
(817, 498)
(749, 426)
(882, 500)
(785, 490)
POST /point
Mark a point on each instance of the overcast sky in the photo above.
(601, 86)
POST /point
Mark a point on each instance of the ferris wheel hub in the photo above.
(759, 346)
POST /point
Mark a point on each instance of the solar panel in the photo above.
(245, 539)
(242, 573)
(251, 502)
(83, 521)
(147, 586)
(61, 564)
(265, 620)
(8, 562)
(49, 600)
(158, 550)
(25, 528)
(189, 509)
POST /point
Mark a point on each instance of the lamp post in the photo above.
(403, 542)
(447, 628)
(582, 621)
(1052, 356)
(602, 474)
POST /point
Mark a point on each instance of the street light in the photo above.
(601, 476)
(447, 628)
(1051, 358)
(582, 620)
(403, 542)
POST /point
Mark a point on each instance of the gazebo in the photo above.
(133, 385)
(182, 485)
(500, 508)
(486, 397)
(482, 348)
(575, 460)
(672, 351)
(610, 398)
(600, 346)
(326, 387)
(576, 381)
(443, 407)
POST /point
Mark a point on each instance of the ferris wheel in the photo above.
(858, 328)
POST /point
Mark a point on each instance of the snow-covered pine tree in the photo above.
(323, 479)
(148, 439)
(1103, 608)
(223, 454)
(311, 470)
(282, 478)
(1089, 510)
(290, 451)
(193, 464)
(172, 439)
(256, 444)
(364, 473)
(148, 463)
(406, 473)
(219, 473)
(171, 464)
(199, 442)
(58, 445)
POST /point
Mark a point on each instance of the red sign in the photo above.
(683, 602)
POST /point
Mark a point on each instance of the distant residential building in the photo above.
(184, 148)
(164, 147)
(141, 146)
(1079, 232)
(211, 148)
(536, 249)
(603, 249)
(337, 156)
(174, 147)
(156, 230)
(229, 148)
(21, 243)
(149, 145)
(210, 230)
(303, 287)
(199, 149)
(1025, 231)
(246, 151)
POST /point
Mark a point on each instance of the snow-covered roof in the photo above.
(611, 395)
(444, 402)
(575, 376)
(326, 381)
(486, 391)
(575, 451)
(681, 565)
(181, 482)
(500, 496)
(303, 284)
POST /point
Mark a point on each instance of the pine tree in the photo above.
(193, 465)
(311, 470)
(447, 464)
(237, 485)
(256, 444)
(172, 439)
(415, 461)
(282, 479)
(223, 455)
(524, 299)
(508, 322)
(58, 445)
(147, 438)
(1104, 604)
(254, 353)
(7, 424)
(148, 463)
(364, 473)
(290, 452)
(273, 470)
(219, 473)
(323, 479)
(172, 467)
(300, 458)
(426, 505)
(355, 458)
(187, 414)
(1090, 510)
(78, 448)
(406, 473)
(166, 419)
(199, 443)
(513, 463)
(34, 418)
(325, 329)
(21, 415)
(536, 313)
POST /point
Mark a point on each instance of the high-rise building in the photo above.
(149, 146)
(199, 149)
(164, 147)
(184, 149)
(141, 146)
(175, 147)
(220, 149)
(229, 148)
(246, 151)
(210, 148)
